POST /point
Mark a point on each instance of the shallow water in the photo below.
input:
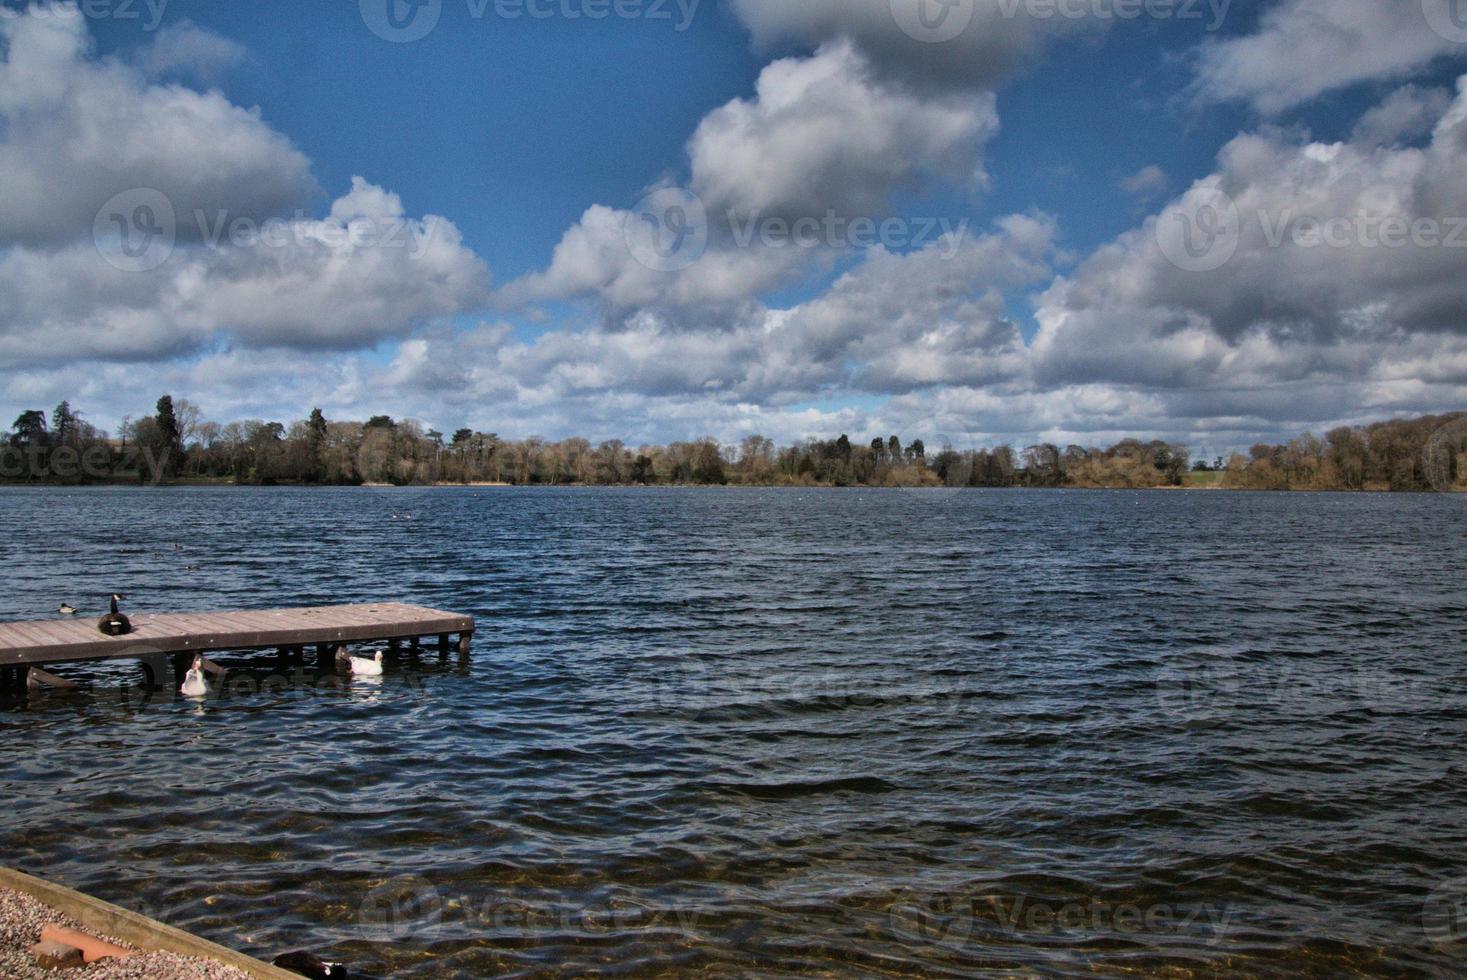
(777, 732)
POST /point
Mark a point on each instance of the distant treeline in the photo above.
(177, 443)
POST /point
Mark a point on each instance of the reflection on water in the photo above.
(778, 731)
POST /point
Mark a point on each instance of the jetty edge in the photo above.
(41, 643)
(104, 919)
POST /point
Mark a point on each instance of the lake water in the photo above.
(776, 731)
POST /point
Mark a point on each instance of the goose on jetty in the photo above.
(115, 623)
(360, 665)
(194, 685)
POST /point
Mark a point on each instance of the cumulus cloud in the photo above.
(894, 322)
(823, 134)
(76, 130)
(1346, 269)
(1304, 48)
(974, 45)
(821, 138)
(1410, 113)
(366, 273)
(233, 259)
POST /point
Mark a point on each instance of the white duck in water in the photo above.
(361, 666)
(194, 685)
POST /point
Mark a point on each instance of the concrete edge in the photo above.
(132, 928)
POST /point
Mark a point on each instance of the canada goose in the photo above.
(115, 623)
(311, 965)
(193, 682)
(67, 609)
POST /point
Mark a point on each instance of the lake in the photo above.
(776, 731)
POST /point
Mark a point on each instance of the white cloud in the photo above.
(995, 36)
(822, 137)
(822, 134)
(1304, 48)
(1329, 308)
(246, 267)
(187, 49)
(1145, 183)
(1411, 112)
(367, 273)
(76, 130)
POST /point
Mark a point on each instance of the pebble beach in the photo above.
(23, 917)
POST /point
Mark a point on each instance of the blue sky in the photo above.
(1055, 144)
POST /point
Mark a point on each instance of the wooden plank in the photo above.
(146, 934)
(59, 641)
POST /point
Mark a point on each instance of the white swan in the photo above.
(363, 667)
(193, 682)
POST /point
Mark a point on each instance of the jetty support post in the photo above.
(155, 670)
(465, 641)
(181, 663)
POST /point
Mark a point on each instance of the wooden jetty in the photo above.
(27, 647)
(146, 934)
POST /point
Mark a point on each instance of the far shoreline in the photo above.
(232, 485)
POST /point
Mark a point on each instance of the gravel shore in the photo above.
(21, 920)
